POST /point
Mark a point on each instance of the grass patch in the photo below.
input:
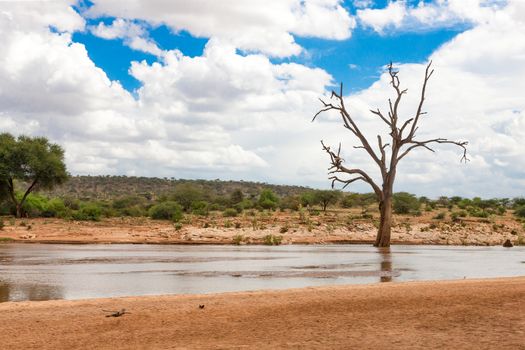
(272, 240)
(5, 239)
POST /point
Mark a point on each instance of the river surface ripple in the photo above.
(59, 271)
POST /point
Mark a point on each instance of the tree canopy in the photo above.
(31, 160)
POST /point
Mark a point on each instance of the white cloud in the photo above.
(253, 26)
(185, 121)
(34, 15)
(134, 35)
(228, 115)
(402, 16)
(473, 95)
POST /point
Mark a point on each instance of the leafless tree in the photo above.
(402, 140)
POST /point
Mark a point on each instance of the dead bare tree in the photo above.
(402, 134)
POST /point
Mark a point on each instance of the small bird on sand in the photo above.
(116, 313)
(201, 306)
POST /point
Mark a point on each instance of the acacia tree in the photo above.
(325, 197)
(32, 160)
(402, 140)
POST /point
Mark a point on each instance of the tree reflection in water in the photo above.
(386, 264)
(29, 292)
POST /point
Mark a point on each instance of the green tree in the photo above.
(326, 197)
(405, 203)
(268, 199)
(186, 193)
(31, 160)
(308, 198)
(236, 197)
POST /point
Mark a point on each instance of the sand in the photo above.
(334, 227)
(466, 314)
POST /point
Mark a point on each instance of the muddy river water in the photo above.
(54, 271)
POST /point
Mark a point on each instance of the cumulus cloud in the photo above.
(133, 34)
(401, 15)
(473, 95)
(231, 115)
(253, 26)
(187, 118)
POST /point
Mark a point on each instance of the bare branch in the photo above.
(337, 167)
(378, 113)
(349, 123)
(424, 144)
(428, 74)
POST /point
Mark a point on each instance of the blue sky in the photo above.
(357, 61)
(227, 89)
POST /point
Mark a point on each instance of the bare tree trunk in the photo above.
(403, 141)
(383, 233)
(18, 210)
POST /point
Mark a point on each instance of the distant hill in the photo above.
(110, 187)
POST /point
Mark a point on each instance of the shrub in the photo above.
(272, 240)
(290, 202)
(284, 229)
(2, 224)
(405, 203)
(56, 208)
(88, 212)
(236, 196)
(478, 213)
(518, 202)
(215, 207)
(237, 239)
(520, 211)
(200, 208)
(177, 226)
(454, 216)
(166, 211)
(185, 194)
(229, 213)
(440, 216)
(268, 199)
(34, 205)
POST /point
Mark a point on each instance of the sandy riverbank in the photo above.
(471, 314)
(330, 228)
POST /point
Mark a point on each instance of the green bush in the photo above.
(520, 211)
(216, 207)
(56, 208)
(185, 194)
(518, 202)
(200, 208)
(272, 240)
(238, 239)
(290, 202)
(268, 199)
(440, 216)
(169, 210)
(88, 212)
(478, 212)
(229, 213)
(34, 204)
(405, 203)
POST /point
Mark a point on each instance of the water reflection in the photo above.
(53, 271)
(386, 264)
(17, 292)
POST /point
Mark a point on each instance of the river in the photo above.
(57, 271)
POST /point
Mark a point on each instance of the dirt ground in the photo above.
(471, 314)
(335, 226)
